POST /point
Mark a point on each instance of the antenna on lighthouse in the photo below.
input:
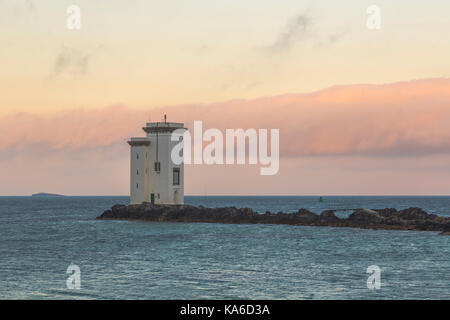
(165, 118)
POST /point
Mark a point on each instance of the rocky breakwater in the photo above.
(387, 219)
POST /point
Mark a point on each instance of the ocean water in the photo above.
(41, 237)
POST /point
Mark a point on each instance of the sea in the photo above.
(54, 248)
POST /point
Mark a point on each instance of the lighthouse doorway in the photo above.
(176, 197)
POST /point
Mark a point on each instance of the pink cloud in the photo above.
(75, 129)
(394, 119)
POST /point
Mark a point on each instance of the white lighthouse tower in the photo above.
(153, 176)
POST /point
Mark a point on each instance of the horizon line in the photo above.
(246, 195)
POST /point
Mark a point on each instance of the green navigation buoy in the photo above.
(320, 199)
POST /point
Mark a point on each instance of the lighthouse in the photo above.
(154, 177)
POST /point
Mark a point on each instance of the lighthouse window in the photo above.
(137, 155)
(137, 185)
(137, 172)
(176, 176)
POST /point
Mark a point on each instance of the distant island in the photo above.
(43, 194)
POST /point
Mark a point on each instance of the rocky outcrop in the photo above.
(388, 219)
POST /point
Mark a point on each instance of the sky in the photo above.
(360, 111)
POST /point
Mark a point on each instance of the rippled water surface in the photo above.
(41, 237)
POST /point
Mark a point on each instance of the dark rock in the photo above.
(365, 217)
(306, 215)
(117, 207)
(413, 214)
(446, 229)
(328, 216)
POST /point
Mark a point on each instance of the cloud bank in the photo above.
(399, 119)
(345, 139)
